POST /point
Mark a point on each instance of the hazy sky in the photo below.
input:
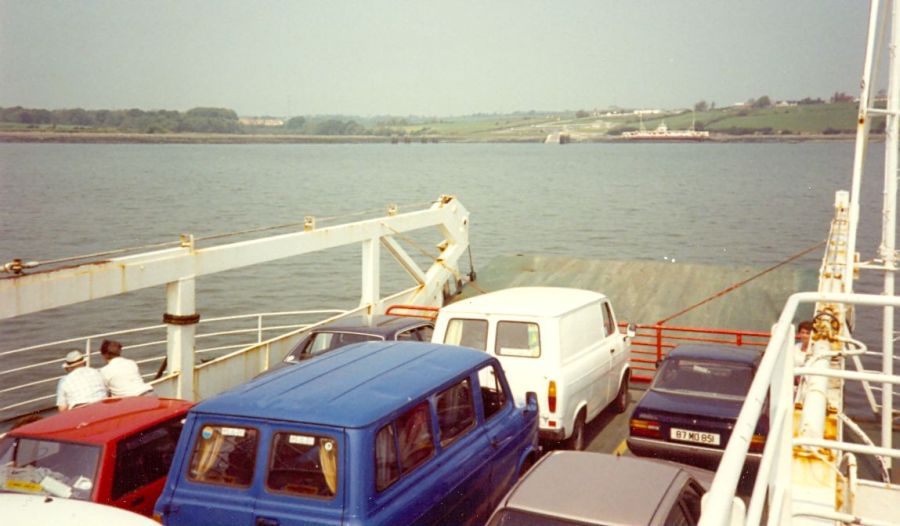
(423, 57)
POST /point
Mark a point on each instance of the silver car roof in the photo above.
(596, 488)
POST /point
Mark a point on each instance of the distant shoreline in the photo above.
(212, 138)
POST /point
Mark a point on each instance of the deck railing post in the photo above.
(371, 274)
(659, 330)
(87, 351)
(181, 320)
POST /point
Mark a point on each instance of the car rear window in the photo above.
(516, 338)
(326, 341)
(224, 455)
(303, 464)
(48, 467)
(467, 333)
(705, 376)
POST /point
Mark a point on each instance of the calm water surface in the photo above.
(726, 204)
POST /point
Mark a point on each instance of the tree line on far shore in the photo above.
(196, 120)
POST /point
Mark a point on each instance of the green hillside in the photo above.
(814, 118)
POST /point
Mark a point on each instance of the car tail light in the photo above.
(551, 396)
(757, 443)
(645, 428)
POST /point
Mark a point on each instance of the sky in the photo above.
(424, 57)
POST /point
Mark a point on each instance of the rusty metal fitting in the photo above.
(17, 266)
(181, 319)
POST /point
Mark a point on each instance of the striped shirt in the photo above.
(81, 386)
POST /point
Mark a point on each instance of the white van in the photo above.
(562, 343)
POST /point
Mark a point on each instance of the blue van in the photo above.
(373, 433)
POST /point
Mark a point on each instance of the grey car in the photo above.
(356, 330)
(567, 488)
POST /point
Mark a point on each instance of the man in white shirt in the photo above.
(122, 376)
(801, 349)
(82, 385)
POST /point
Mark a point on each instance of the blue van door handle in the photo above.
(263, 521)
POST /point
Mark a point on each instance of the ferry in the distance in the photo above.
(663, 133)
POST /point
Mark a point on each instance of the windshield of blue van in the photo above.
(467, 333)
(303, 464)
(224, 455)
(516, 338)
(48, 467)
(704, 377)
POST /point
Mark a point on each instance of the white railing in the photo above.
(148, 344)
(177, 269)
(772, 494)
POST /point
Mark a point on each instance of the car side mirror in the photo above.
(531, 402)
(630, 331)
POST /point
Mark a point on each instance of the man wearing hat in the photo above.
(81, 385)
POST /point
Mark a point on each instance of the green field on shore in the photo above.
(816, 119)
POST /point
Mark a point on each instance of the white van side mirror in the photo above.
(630, 331)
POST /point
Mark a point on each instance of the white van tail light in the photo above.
(551, 396)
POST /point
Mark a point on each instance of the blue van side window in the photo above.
(492, 395)
(224, 455)
(387, 470)
(455, 411)
(414, 445)
(304, 465)
(414, 437)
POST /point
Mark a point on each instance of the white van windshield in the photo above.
(467, 333)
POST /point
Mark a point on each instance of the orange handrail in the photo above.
(653, 341)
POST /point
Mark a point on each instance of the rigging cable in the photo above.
(17, 265)
(741, 283)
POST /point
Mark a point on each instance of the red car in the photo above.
(114, 452)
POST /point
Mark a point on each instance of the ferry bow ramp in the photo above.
(744, 297)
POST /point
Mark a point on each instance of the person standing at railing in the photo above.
(81, 384)
(801, 349)
(121, 375)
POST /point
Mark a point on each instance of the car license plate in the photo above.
(697, 437)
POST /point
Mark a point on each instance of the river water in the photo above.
(724, 204)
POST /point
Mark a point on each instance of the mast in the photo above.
(887, 250)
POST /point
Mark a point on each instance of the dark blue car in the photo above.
(690, 409)
(348, 331)
(373, 433)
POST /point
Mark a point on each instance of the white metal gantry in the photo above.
(176, 269)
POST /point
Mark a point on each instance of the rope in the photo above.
(32, 264)
(741, 283)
